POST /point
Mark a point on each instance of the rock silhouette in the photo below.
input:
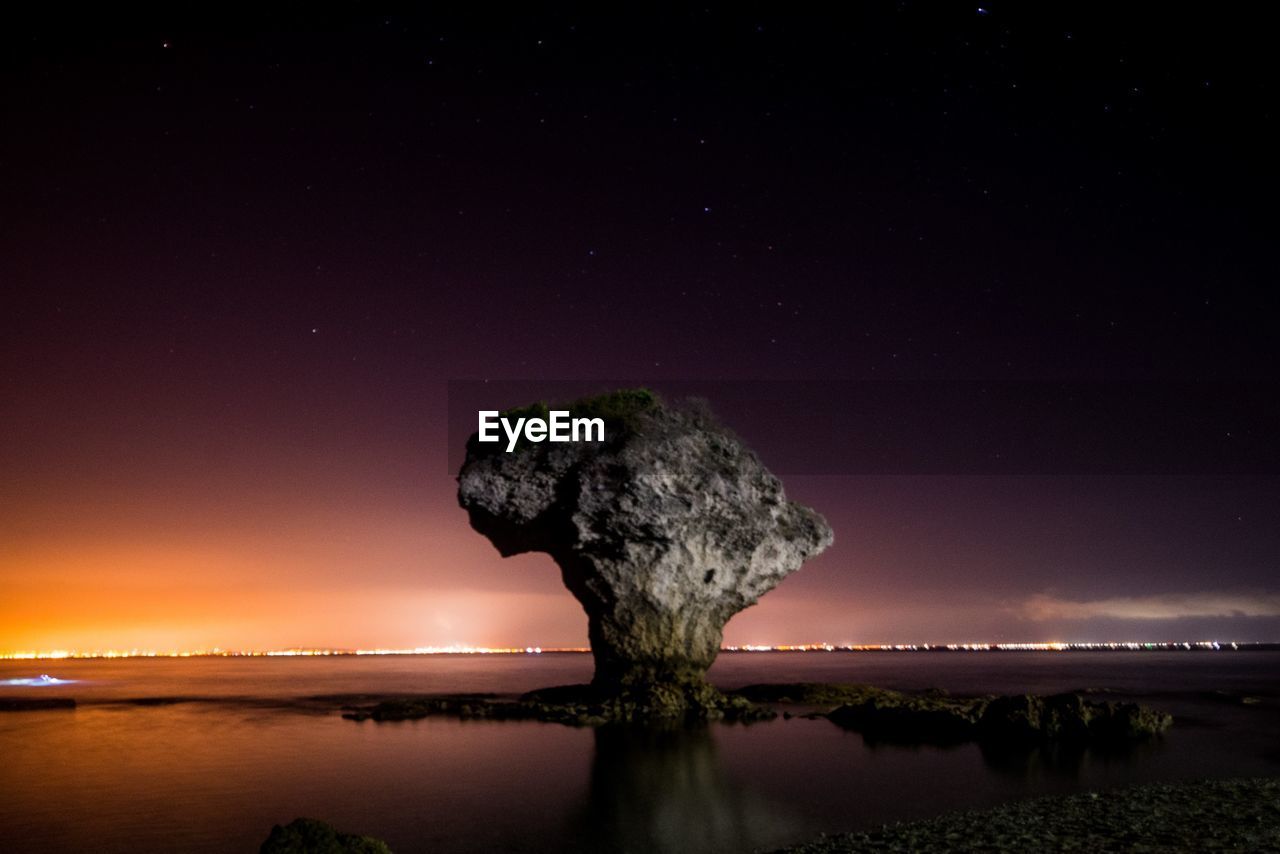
(663, 532)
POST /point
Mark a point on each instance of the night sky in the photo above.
(242, 259)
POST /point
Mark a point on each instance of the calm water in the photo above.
(214, 773)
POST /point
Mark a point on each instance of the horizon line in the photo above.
(463, 649)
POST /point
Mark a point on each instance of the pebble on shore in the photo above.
(1212, 815)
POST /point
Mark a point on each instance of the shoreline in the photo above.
(1232, 814)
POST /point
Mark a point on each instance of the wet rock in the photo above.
(574, 705)
(932, 717)
(828, 694)
(1069, 718)
(663, 532)
(1011, 720)
(689, 702)
(309, 836)
(894, 716)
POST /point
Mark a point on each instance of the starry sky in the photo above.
(242, 260)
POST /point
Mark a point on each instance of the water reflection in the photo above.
(666, 790)
(211, 777)
(1065, 761)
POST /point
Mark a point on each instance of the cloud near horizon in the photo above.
(1160, 606)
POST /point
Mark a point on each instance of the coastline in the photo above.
(1239, 814)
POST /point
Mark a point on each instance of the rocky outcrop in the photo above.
(1010, 721)
(574, 705)
(309, 836)
(1069, 718)
(880, 714)
(890, 716)
(663, 532)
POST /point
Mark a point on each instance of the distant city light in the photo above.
(461, 649)
(282, 653)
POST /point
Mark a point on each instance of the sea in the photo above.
(206, 754)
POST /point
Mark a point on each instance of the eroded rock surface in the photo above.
(663, 532)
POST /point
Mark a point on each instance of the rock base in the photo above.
(578, 705)
(879, 714)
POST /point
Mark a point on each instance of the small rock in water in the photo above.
(309, 836)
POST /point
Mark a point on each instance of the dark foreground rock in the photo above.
(575, 705)
(309, 836)
(1218, 815)
(663, 532)
(31, 704)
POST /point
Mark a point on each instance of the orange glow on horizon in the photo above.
(168, 598)
(1032, 646)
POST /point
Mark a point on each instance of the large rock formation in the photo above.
(663, 532)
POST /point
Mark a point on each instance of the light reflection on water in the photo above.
(200, 776)
(44, 680)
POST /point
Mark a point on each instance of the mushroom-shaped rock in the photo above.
(663, 531)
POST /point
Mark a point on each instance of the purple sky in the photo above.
(241, 266)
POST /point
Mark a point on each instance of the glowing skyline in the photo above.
(975, 646)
